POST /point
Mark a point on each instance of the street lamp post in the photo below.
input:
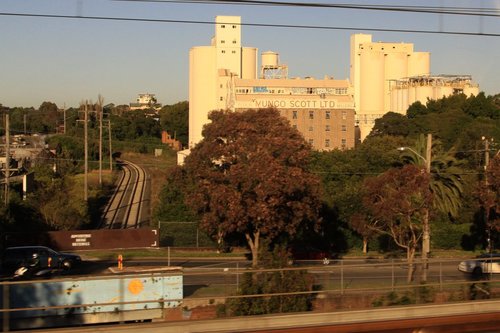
(426, 234)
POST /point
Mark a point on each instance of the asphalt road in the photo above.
(348, 274)
(226, 274)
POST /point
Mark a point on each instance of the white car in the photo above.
(485, 263)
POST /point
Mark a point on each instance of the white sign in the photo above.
(81, 239)
(287, 104)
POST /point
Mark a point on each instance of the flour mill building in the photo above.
(328, 112)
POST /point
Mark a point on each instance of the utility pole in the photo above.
(100, 101)
(110, 150)
(486, 163)
(486, 152)
(426, 235)
(64, 119)
(7, 158)
(86, 176)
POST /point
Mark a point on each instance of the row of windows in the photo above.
(224, 42)
(311, 114)
(233, 52)
(328, 143)
(224, 26)
(323, 92)
(327, 128)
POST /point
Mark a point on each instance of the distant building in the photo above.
(145, 101)
(392, 76)
(171, 142)
(406, 91)
(330, 114)
(224, 76)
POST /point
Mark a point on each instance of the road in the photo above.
(345, 275)
(128, 206)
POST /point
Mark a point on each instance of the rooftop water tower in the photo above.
(270, 68)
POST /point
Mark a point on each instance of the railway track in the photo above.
(125, 208)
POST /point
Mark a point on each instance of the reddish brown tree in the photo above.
(249, 177)
(360, 223)
(397, 200)
(489, 194)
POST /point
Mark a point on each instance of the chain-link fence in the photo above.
(183, 234)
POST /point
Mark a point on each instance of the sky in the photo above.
(69, 60)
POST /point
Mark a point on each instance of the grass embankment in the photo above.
(161, 253)
(242, 252)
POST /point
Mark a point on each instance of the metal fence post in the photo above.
(392, 275)
(237, 277)
(6, 306)
(440, 276)
(342, 276)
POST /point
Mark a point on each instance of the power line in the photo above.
(268, 25)
(472, 11)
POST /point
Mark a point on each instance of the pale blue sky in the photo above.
(69, 60)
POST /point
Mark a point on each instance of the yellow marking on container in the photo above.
(71, 290)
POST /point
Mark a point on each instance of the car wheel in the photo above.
(66, 265)
(477, 272)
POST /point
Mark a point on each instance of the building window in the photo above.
(221, 85)
(344, 128)
(234, 41)
(311, 128)
(327, 115)
(311, 114)
(234, 27)
(223, 26)
(222, 41)
(221, 98)
(327, 143)
(344, 115)
(294, 114)
(327, 128)
(223, 51)
(311, 142)
(294, 126)
(234, 52)
(344, 141)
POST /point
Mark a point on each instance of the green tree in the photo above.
(393, 124)
(445, 175)
(172, 205)
(249, 177)
(275, 281)
(175, 120)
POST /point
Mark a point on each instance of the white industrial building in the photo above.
(383, 77)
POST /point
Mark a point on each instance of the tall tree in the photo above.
(444, 184)
(445, 170)
(397, 200)
(489, 196)
(249, 177)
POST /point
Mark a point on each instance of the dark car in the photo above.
(15, 257)
(312, 253)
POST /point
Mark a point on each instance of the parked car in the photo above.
(15, 257)
(485, 263)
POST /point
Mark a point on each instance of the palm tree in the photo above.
(445, 170)
(445, 183)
